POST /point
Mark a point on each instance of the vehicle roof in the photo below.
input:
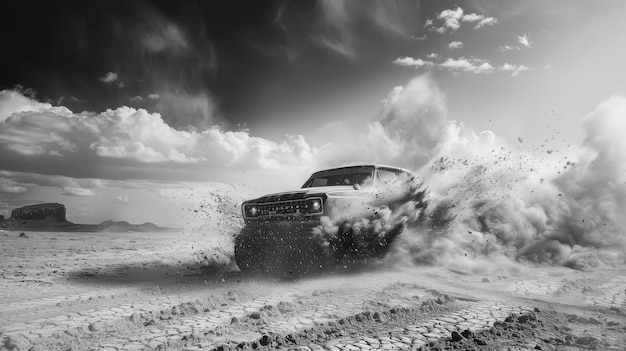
(359, 166)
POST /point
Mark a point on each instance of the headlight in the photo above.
(314, 205)
(250, 210)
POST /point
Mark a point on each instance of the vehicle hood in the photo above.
(309, 192)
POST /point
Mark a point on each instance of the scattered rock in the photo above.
(16, 342)
(486, 280)
(480, 342)
(255, 315)
(467, 333)
(23, 235)
(265, 340)
(594, 321)
(588, 341)
(377, 317)
(135, 317)
(456, 336)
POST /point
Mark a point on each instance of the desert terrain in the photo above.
(182, 291)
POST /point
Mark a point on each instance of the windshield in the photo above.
(342, 176)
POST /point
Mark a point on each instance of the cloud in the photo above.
(186, 110)
(136, 99)
(338, 25)
(455, 45)
(168, 57)
(11, 187)
(128, 142)
(481, 19)
(76, 191)
(452, 19)
(440, 30)
(342, 47)
(72, 99)
(28, 179)
(12, 101)
(412, 62)
(161, 35)
(469, 65)
(405, 132)
(460, 65)
(515, 70)
(121, 199)
(525, 40)
(472, 17)
(488, 21)
(108, 77)
(392, 17)
(505, 48)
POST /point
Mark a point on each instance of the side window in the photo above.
(386, 177)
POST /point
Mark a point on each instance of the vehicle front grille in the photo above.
(282, 208)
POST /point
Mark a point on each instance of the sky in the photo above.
(138, 110)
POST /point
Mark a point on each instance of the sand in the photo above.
(181, 291)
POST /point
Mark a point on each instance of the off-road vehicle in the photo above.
(313, 227)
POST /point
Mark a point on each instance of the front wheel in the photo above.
(247, 257)
(288, 254)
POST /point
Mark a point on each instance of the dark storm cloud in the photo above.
(345, 27)
(131, 47)
(212, 63)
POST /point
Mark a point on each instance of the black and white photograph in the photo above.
(313, 175)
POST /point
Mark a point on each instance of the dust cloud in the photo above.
(488, 205)
(480, 204)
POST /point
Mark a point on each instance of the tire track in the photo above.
(277, 314)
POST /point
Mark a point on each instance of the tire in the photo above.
(247, 257)
(274, 253)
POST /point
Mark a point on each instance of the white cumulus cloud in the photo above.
(109, 77)
(452, 19)
(525, 40)
(412, 62)
(455, 45)
(469, 65)
(515, 70)
(115, 142)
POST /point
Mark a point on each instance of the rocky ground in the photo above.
(136, 291)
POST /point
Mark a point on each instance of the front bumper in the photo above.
(267, 228)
